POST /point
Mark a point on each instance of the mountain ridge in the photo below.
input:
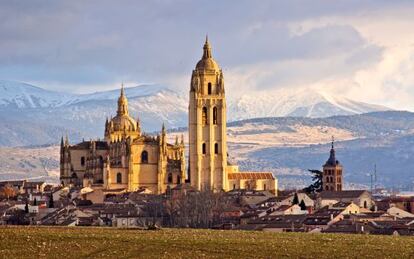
(52, 114)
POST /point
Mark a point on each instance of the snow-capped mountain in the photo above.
(25, 96)
(32, 115)
(296, 103)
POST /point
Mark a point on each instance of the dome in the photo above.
(207, 64)
(121, 122)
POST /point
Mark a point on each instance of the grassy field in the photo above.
(33, 242)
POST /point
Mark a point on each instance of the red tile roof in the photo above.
(250, 175)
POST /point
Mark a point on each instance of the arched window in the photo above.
(170, 178)
(144, 157)
(118, 178)
(216, 148)
(204, 148)
(209, 88)
(83, 161)
(215, 115)
(204, 116)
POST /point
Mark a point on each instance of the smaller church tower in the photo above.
(332, 177)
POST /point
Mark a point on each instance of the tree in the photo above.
(302, 205)
(295, 199)
(51, 203)
(26, 207)
(316, 185)
(7, 192)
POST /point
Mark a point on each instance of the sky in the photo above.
(363, 50)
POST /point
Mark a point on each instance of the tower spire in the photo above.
(122, 103)
(332, 157)
(207, 49)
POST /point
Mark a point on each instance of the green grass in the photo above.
(56, 242)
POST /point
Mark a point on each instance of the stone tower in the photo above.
(207, 125)
(332, 173)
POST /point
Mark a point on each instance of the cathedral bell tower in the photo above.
(207, 125)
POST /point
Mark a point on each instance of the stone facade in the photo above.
(126, 159)
(208, 164)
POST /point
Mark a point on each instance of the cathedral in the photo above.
(128, 160)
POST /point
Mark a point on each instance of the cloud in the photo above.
(90, 45)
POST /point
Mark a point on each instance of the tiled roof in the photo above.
(250, 175)
(341, 194)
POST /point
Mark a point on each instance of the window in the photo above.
(144, 157)
(209, 88)
(216, 148)
(178, 179)
(204, 148)
(204, 116)
(118, 178)
(215, 115)
(170, 178)
(83, 161)
(365, 204)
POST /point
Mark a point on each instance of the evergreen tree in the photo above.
(26, 207)
(316, 185)
(51, 205)
(302, 205)
(295, 199)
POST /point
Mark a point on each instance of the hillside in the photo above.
(287, 147)
(53, 242)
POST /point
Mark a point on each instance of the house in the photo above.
(279, 223)
(346, 207)
(361, 198)
(288, 210)
(403, 203)
(399, 213)
(127, 221)
(286, 223)
(301, 197)
(33, 187)
(322, 219)
(347, 226)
